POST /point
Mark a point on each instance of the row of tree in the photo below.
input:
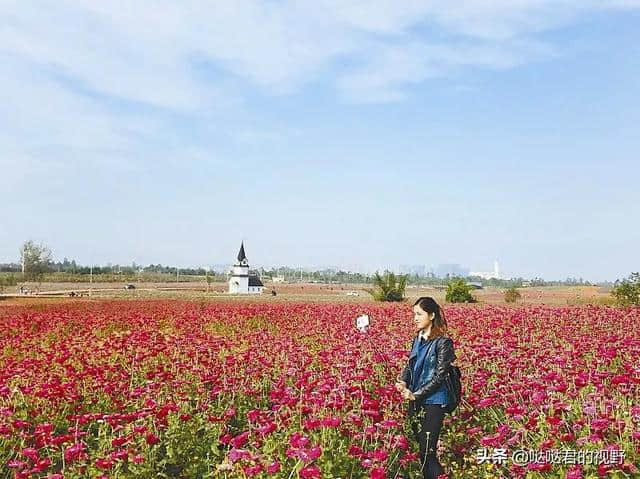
(36, 260)
(389, 287)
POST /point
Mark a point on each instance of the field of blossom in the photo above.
(176, 389)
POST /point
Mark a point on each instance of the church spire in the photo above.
(241, 255)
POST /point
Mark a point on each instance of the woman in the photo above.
(422, 381)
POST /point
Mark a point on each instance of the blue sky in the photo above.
(355, 134)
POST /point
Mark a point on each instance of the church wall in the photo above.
(241, 287)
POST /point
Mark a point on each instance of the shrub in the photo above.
(511, 295)
(458, 291)
(388, 287)
(627, 291)
(7, 280)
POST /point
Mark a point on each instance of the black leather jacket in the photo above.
(445, 356)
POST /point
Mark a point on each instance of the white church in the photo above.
(240, 281)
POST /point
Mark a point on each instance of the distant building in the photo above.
(495, 274)
(412, 269)
(278, 279)
(444, 270)
(240, 281)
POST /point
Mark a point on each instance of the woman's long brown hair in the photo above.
(429, 305)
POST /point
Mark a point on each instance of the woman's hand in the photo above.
(408, 395)
(404, 391)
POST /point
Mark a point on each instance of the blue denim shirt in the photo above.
(424, 368)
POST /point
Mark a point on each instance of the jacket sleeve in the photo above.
(446, 356)
(406, 372)
(406, 375)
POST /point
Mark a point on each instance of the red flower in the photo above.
(298, 440)
(377, 473)
(251, 471)
(380, 455)
(74, 452)
(554, 421)
(310, 472)
(240, 440)
(574, 472)
(120, 455)
(331, 421)
(267, 428)
(119, 441)
(311, 424)
(104, 463)
(400, 442)
(355, 451)
(14, 463)
(31, 453)
(41, 465)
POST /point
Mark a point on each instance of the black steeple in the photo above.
(241, 255)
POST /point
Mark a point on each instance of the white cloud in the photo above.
(99, 76)
(148, 52)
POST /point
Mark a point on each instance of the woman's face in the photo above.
(422, 318)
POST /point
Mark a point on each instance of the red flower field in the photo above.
(286, 390)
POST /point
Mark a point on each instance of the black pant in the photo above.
(426, 422)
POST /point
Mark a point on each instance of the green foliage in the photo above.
(627, 291)
(7, 280)
(388, 287)
(511, 295)
(36, 260)
(458, 291)
(189, 452)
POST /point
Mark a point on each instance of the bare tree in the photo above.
(36, 260)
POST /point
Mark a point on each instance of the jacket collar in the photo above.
(416, 343)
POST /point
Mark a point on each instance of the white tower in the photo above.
(496, 269)
(239, 279)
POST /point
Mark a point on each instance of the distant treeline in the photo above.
(66, 266)
(69, 270)
(333, 276)
(17, 278)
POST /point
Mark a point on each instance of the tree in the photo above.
(36, 260)
(511, 295)
(458, 291)
(388, 287)
(627, 291)
(209, 279)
